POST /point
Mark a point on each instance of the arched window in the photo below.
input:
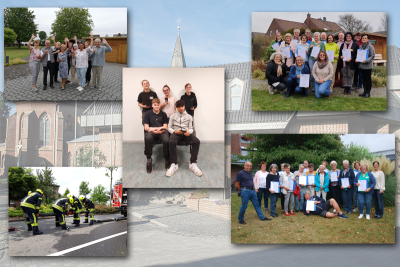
(21, 127)
(44, 134)
(235, 92)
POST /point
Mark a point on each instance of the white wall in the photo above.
(207, 83)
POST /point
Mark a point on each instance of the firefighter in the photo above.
(89, 205)
(60, 206)
(30, 205)
(76, 207)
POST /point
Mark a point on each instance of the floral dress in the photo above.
(81, 59)
(34, 53)
(63, 64)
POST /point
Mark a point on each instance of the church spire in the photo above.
(178, 58)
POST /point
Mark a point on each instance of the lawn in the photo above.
(14, 52)
(301, 229)
(263, 101)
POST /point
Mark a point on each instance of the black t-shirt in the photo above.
(146, 99)
(272, 178)
(155, 120)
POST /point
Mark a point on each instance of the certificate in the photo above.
(361, 55)
(286, 52)
(315, 51)
(311, 179)
(334, 177)
(275, 46)
(345, 182)
(346, 54)
(303, 180)
(331, 55)
(306, 169)
(363, 185)
(310, 205)
(304, 80)
(290, 184)
(302, 53)
(275, 187)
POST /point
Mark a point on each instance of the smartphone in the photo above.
(166, 99)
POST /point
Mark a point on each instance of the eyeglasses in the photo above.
(165, 90)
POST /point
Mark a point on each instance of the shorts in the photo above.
(327, 207)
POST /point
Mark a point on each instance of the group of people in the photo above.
(344, 185)
(169, 121)
(32, 202)
(284, 72)
(72, 56)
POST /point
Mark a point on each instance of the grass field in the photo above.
(263, 101)
(302, 229)
(14, 52)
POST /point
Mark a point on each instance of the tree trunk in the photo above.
(19, 44)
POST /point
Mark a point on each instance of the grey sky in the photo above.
(106, 20)
(375, 142)
(260, 21)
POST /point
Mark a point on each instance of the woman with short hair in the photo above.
(356, 170)
(62, 59)
(292, 47)
(311, 60)
(321, 182)
(364, 197)
(303, 188)
(81, 57)
(287, 192)
(332, 46)
(366, 65)
(260, 185)
(348, 65)
(322, 73)
(34, 60)
(273, 176)
(378, 190)
(278, 40)
(335, 186)
(276, 72)
(293, 82)
(303, 45)
(347, 192)
(73, 63)
(358, 81)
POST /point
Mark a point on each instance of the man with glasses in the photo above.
(168, 102)
(244, 183)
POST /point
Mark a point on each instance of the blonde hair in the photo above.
(36, 41)
(146, 81)
(333, 162)
(288, 34)
(300, 58)
(63, 45)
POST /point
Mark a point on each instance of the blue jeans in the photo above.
(296, 202)
(311, 64)
(274, 199)
(247, 195)
(301, 200)
(260, 193)
(293, 86)
(378, 201)
(347, 196)
(364, 198)
(358, 81)
(82, 76)
(355, 198)
(322, 89)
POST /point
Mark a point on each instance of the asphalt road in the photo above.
(23, 243)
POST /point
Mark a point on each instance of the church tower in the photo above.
(178, 58)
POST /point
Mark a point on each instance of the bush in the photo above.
(105, 209)
(390, 191)
(16, 61)
(265, 53)
(386, 165)
(259, 64)
(378, 81)
(258, 74)
(15, 213)
(379, 71)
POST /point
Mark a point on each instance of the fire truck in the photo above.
(120, 198)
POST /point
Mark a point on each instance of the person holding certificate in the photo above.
(281, 195)
(260, 184)
(346, 180)
(322, 73)
(378, 190)
(358, 82)
(276, 73)
(302, 49)
(365, 182)
(365, 66)
(276, 43)
(287, 180)
(290, 47)
(293, 82)
(356, 170)
(321, 182)
(313, 53)
(301, 181)
(348, 58)
(334, 49)
(322, 207)
(311, 172)
(333, 177)
(273, 176)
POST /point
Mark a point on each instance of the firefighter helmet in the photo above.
(69, 196)
(81, 197)
(29, 192)
(40, 191)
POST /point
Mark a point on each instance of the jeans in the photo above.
(358, 81)
(311, 63)
(322, 89)
(296, 202)
(247, 195)
(274, 199)
(82, 76)
(301, 200)
(378, 201)
(355, 198)
(260, 193)
(293, 86)
(364, 198)
(347, 196)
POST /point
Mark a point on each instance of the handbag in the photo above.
(296, 191)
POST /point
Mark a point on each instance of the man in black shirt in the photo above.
(156, 124)
(146, 97)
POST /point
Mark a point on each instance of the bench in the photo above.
(378, 61)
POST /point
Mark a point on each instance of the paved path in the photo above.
(18, 85)
(337, 91)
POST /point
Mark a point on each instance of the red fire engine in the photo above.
(120, 197)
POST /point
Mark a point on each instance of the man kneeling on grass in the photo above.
(322, 207)
(181, 128)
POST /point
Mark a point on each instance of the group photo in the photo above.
(78, 56)
(173, 136)
(317, 188)
(319, 61)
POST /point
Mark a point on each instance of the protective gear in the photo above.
(30, 205)
(28, 222)
(60, 206)
(36, 231)
(81, 197)
(29, 192)
(40, 191)
(76, 206)
(89, 205)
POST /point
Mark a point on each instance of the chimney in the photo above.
(308, 20)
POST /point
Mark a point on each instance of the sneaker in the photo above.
(271, 90)
(379, 217)
(242, 222)
(195, 169)
(361, 216)
(343, 216)
(355, 209)
(172, 170)
(349, 213)
(368, 217)
(266, 210)
(275, 215)
(35, 89)
(99, 89)
(266, 219)
(79, 88)
(358, 89)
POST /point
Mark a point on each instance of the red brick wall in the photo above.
(234, 171)
(272, 27)
(235, 144)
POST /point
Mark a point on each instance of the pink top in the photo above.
(34, 53)
(289, 61)
(81, 59)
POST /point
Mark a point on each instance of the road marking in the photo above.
(86, 245)
(148, 219)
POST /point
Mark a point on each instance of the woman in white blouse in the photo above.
(81, 57)
(378, 190)
(286, 190)
(260, 184)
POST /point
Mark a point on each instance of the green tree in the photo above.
(99, 195)
(84, 188)
(354, 152)
(46, 182)
(22, 21)
(42, 36)
(66, 192)
(109, 173)
(84, 157)
(4, 114)
(9, 38)
(72, 22)
(20, 182)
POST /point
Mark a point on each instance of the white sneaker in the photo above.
(334, 210)
(80, 88)
(361, 216)
(195, 169)
(368, 217)
(355, 209)
(172, 169)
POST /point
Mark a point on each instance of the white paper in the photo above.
(361, 55)
(310, 205)
(315, 51)
(290, 183)
(275, 186)
(275, 46)
(301, 52)
(331, 55)
(311, 179)
(346, 53)
(303, 180)
(363, 185)
(304, 80)
(334, 177)
(286, 52)
(275, 84)
(345, 182)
